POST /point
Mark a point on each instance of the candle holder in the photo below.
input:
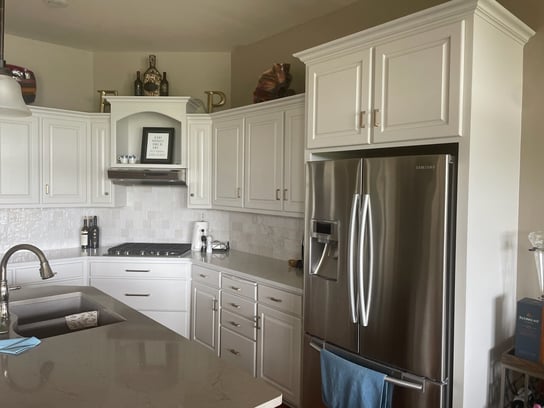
(537, 240)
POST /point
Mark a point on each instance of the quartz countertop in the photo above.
(136, 363)
(262, 268)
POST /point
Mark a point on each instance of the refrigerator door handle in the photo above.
(351, 257)
(365, 298)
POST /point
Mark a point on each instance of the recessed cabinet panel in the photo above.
(228, 162)
(418, 86)
(264, 160)
(205, 309)
(199, 171)
(64, 169)
(19, 171)
(339, 101)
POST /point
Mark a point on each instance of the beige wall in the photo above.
(64, 75)
(188, 73)
(248, 62)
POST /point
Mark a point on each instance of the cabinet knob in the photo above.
(106, 193)
(192, 194)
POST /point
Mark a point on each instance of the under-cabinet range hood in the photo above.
(134, 176)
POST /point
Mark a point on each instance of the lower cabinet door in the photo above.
(238, 350)
(278, 351)
(204, 319)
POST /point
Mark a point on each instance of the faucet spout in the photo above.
(45, 273)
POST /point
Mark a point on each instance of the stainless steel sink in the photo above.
(45, 316)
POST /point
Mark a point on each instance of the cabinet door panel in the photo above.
(199, 164)
(64, 161)
(418, 86)
(294, 186)
(263, 143)
(19, 171)
(279, 351)
(204, 323)
(101, 186)
(339, 101)
(228, 162)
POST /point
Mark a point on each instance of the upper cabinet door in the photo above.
(19, 158)
(294, 187)
(228, 171)
(199, 163)
(263, 146)
(64, 166)
(338, 99)
(418, 86)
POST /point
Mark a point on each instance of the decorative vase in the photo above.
(152, 78)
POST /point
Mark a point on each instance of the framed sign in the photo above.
(157, 145)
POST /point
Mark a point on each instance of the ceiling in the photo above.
(159, 25)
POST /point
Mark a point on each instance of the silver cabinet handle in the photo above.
(236, 353)
(375, 121)
(15, 287)
(192, 194)
(284, 194)
(273, 299)
(138, 294)
(214, 305)
(238, 192)
(106, 193)
(234, 324)
(257, 320)
(47, 189)
(278, 194)
(235, 305)
(235, 288)
(138, 270)
(362, 119)
(203, 276)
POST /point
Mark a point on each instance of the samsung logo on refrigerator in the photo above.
(425, 167)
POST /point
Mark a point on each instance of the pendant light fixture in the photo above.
(11, 97)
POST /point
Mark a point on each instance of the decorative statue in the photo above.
(273, 83)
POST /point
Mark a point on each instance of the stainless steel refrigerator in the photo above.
(378, 273)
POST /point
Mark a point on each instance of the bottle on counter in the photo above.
(138, 85)
(209, 248)
(163, 89)
(94, 234)
(84, 235)
(203, 240)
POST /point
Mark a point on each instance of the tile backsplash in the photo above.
(152, 214)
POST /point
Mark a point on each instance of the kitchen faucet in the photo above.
(45, 273)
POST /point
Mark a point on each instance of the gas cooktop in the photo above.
(149, 249)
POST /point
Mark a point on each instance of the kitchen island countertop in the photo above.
(136, 363)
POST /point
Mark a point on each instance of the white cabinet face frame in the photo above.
(19, 161)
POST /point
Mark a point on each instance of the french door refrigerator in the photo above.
(378, 273)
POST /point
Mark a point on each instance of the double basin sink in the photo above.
(44, 317)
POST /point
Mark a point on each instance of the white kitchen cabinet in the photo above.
(65, 146)
(339, 98)
(130, 114)
(279, 340)
(19, 161)
(378, 89)
(102, 191)
(228, 162)
(263, 149)
(294, 180)
(159, 289)
(259, 158)
(205, 307)
(199, 166)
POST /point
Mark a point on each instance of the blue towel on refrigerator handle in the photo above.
(348, 385)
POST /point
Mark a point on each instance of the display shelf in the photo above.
(510, 364)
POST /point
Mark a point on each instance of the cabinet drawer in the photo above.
(206, 276)
(66, 271)
(140, 269)
(145, 294)
(238, 324)
(280, 300)
(238, 286)
(240, 306)
(238, 350)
